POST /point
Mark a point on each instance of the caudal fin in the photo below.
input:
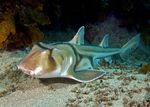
(130, 46)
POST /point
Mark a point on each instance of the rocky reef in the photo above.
(24, 22)
(19, 23)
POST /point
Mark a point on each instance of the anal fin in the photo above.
(108, 59)
(96, 62)
(83, 64)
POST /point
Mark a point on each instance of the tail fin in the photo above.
(130, 46)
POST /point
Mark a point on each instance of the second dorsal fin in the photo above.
(79, 37)
(104, 43)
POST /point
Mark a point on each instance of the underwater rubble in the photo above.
(122, 87)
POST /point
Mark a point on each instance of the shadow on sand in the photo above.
(48, 81)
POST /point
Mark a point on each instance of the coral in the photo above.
(7, 27)
(35, 34)
(145, 69)
(38, 17)
(36, 4)
(19, 23)
(31, 35)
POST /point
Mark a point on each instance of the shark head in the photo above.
(39, 63)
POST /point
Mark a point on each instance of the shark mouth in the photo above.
(26, 71)
(34, 73)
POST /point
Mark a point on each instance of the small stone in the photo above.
(130, 94)
(125, 100)
(114, 97)
(72, 99)
(147, 97)
(116, 73)
(109, 103)
(133, 104)
(120, 78)
(79, 96)
(97, 99)
(147, 89)
(80, 100)
(97, 92)
(85, 101)
(135, 90)
(83, 85)
(105, 98)
(123, 90)
(124, 73)
(72, 105)
(99, 81)
(146, 103)
(90, 99)
(92, 89)
(90, 85)
(125, 82)
(105, 78)
(116, 92)
(74, 89)
(106, 93)
(86, 91)
(3, 93)
(133, 78)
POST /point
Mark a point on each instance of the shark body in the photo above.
(72, 59)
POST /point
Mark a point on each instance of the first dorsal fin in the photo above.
(104, 43)
(79, 37)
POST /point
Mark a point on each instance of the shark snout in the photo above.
(28, 72)
(25, 70)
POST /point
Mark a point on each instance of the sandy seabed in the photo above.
(123, 86)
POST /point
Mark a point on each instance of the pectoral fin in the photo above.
(88, 75)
